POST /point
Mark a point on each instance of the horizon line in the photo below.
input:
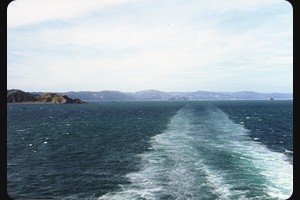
(155, 90)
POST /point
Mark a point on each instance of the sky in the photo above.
(133, 45)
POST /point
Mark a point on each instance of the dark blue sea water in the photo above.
(151, 150)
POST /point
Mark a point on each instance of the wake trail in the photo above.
(204, 155)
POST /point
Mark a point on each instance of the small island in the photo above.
(19, 96)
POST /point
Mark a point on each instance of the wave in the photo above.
(205, 155)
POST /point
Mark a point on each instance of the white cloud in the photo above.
(27, 12)
(184, 51)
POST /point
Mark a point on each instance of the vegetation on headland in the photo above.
(19, 96)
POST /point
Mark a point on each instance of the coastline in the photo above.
(9, 103)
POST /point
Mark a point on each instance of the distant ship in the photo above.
(271, 98)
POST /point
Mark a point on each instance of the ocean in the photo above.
(134, 150)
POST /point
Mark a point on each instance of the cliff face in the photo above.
(18, 96)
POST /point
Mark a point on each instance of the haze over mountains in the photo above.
(107, 95)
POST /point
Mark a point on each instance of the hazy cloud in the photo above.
(135, 45)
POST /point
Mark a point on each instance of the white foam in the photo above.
(288, 151)
(175, 166)
(272, 165)
(172, 168)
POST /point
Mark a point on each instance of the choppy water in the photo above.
(151, 150)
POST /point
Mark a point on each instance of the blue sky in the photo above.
(132, 45)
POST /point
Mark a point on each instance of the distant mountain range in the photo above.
(153, 95)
